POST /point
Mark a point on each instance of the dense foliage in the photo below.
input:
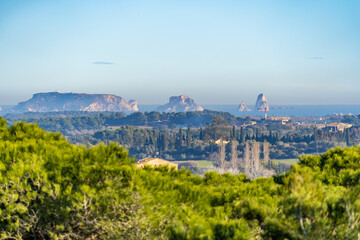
(51, 189)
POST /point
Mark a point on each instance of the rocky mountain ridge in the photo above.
(55, 101)
(180, 103)
(261, 103)
(243, 108)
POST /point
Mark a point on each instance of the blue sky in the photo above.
(217, 52)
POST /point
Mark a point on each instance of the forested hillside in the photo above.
(51, 189)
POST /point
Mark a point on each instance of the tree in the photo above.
(347, 135)
(234, 155)
(188, 138)
(242, 135)
(179, 140)
(247, 157)
(219, 157)
(222, 154)
(266, 153)
(252, 167)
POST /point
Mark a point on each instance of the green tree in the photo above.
(188, 138)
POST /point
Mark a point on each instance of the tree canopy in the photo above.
(51, 189)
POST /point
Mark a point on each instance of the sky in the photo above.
(217, 52)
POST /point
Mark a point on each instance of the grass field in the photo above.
(200, 163)
(292, 160)
(204, 163)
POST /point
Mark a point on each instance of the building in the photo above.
(218, 142)
(335, 127)
(277, 120)
(155, 162)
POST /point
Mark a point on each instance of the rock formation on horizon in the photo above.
(261, 103)
(55, 101)
(243, 108)
(180, 103)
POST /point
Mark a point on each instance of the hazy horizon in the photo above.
(217, 52)
(249, 104)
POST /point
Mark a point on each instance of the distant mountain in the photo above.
(55, 101)
(180, 103)
(243, 108)
(261, 103)
(4, 109)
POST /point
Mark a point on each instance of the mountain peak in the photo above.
(243, 108)
(261, 103)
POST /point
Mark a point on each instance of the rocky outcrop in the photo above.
(180, 104)
(55, 101)
(261, 103)
(243, 108)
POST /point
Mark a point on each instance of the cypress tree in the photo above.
(188, 138)
(180, 136)
(347, 133)
(242, 135)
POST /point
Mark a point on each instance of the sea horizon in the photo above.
(275, 110)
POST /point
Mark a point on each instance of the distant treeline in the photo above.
(72, 122)
(189, 135)
(68, 122)
(285, 141)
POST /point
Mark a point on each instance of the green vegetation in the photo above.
(191, 135)
(292, 160)
(197, 163)
(51, 189)
(285, 142)
(71, 122)
(204, 163)
(351, 119)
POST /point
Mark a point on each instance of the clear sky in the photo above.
(217, 52)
